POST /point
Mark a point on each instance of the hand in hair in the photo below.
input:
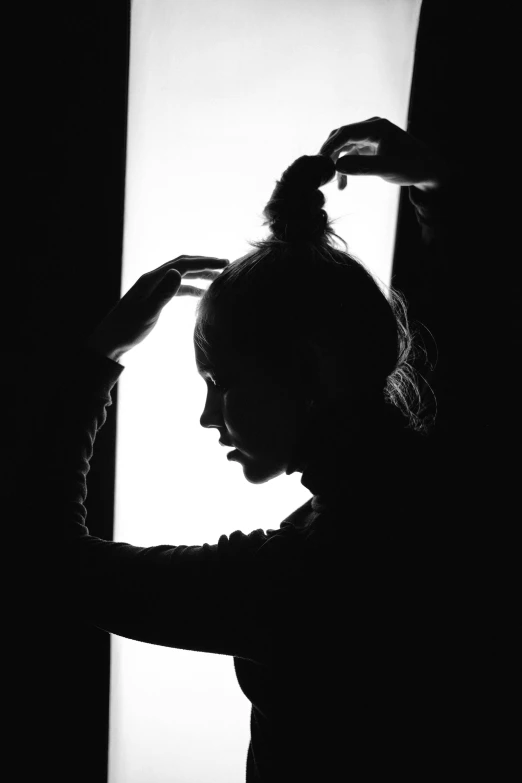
(137, 313)
(377, 147)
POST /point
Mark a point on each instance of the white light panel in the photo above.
(223, 97)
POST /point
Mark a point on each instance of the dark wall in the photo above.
(436, 277)
(463, 290)
(72, 72)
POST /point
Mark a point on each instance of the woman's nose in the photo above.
(211, 416)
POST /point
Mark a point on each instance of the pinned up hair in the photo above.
(295, 211)
(296, 285)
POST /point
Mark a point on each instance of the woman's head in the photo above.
(299, 337)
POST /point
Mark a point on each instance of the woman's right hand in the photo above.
(377, 147)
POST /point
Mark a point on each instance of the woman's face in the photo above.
(256, 414)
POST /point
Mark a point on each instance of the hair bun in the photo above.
(309, 171)
(295, 209)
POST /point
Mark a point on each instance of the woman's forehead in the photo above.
(228, 347)
(214, 352)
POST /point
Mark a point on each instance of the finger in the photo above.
(166, 287)
(183, 264)
(190, 290)
(360, 148)
(368, 131)
(327, 140)
(350, 149)
(192, 263)
(357, 148)
(199, 263)
(202, 275)
(336, 131)
(401, 171)
(365, 164)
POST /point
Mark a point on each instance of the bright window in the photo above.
(223, 97)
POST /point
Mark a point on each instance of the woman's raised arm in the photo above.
(377, 147)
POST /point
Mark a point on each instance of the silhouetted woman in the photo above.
(337, 617)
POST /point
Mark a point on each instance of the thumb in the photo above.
(363, 164)
(398, 171)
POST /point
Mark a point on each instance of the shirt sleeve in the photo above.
(212, 598)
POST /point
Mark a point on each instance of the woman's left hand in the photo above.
(136, 314)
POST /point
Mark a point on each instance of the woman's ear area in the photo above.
(322, 375)
(312, 368)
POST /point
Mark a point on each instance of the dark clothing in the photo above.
(351, 624)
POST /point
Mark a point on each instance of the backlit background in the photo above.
(223, 97)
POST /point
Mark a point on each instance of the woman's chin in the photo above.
(256, 470)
